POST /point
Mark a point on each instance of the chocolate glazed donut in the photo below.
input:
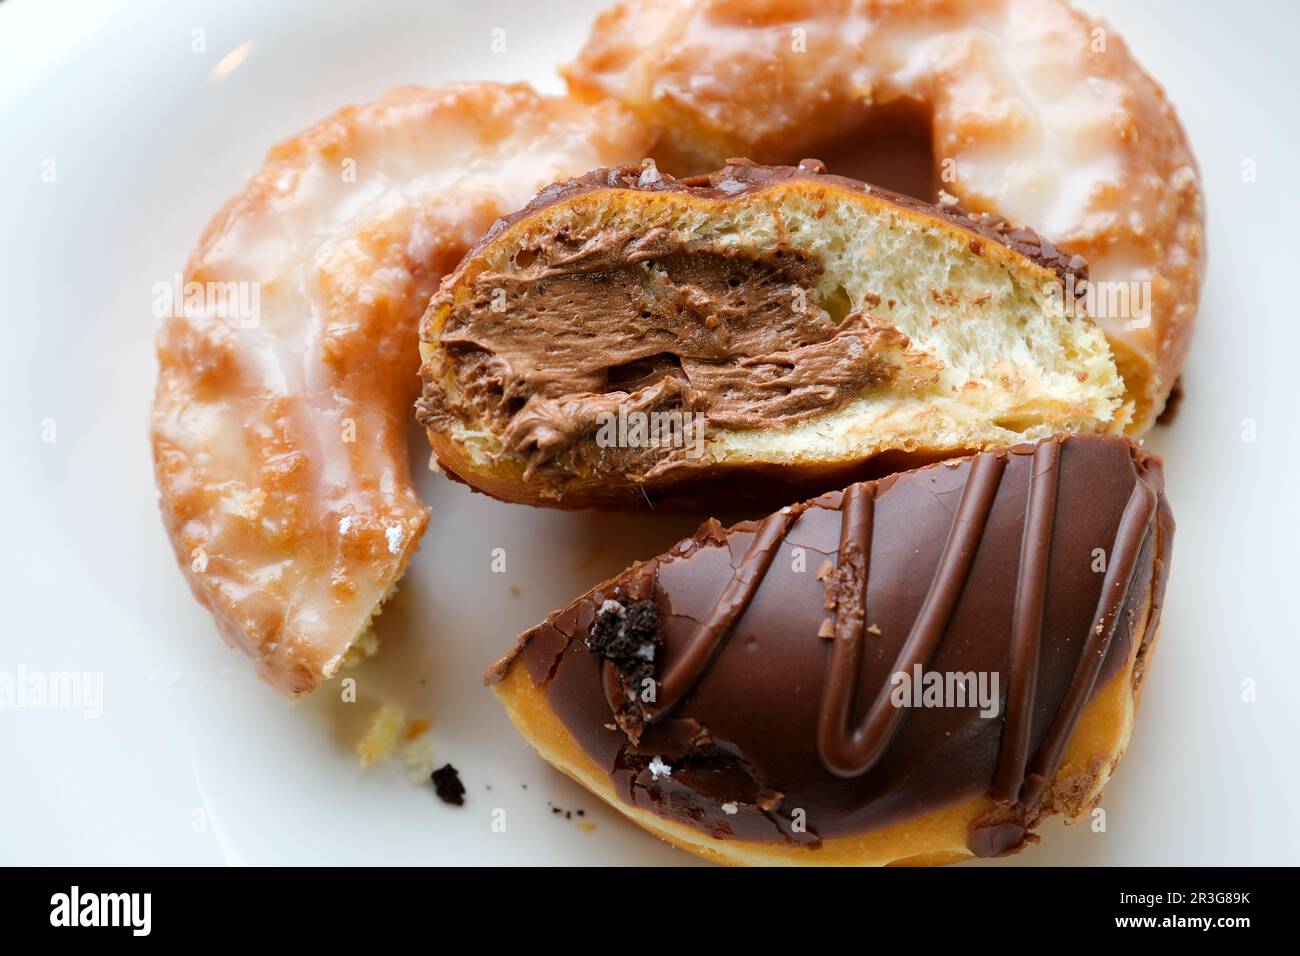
(742, 695)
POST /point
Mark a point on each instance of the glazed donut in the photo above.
(914, 670)
(1036, 112)
(280, 421)
(629, 339)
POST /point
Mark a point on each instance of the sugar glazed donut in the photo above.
(287, 374)
(913, 670)
(1035, 112)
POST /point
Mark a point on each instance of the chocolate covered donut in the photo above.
(916, 669)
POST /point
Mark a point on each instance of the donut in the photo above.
(913, 670)
(1033, 111)
(288, 358)
(629, 339)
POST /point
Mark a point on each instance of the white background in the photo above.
(148, 143)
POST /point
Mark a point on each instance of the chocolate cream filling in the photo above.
(590, 324)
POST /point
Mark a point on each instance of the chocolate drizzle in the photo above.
(850, 753)
(838, 745)
(758, 717)
(1135, 526)
(1027, 624)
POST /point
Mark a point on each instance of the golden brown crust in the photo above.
(751, 486)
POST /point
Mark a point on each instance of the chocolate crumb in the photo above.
(630, 638)
(446, 782)
(567, 814)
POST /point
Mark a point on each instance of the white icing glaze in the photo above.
(280, 427)
(1042, 112)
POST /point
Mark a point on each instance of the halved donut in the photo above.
(912, 670)
(630, 338)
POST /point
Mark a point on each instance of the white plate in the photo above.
(194, 761)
